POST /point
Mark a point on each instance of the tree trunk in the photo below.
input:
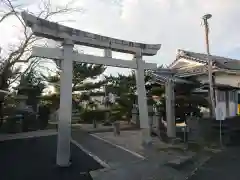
(94, 124)
(1, 114)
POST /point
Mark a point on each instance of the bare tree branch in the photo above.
(22, 51)
(5, 16)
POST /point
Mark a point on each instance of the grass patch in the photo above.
(179, 149)
(195, 147)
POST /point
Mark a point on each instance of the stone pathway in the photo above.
(107, 153)
(143, 170)
(129, 160)
(128, 139)
(132, 141)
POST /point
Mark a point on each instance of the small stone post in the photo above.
(156, 122)
(116, 128)
(135, 118)
(150, 117)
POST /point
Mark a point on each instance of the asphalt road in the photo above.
(35, 158)
(223, 166)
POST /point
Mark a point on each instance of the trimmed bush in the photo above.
(89, 115)
(13, 124)
(44, 113)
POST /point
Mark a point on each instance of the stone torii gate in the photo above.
(69, 37)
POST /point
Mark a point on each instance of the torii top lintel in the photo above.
(55, 31)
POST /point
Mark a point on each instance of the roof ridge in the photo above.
(212, 55)
(220, 61)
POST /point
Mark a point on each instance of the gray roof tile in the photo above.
(221, 62)
(164, 75)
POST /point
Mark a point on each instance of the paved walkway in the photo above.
(129, 139)
(127, 158)
(132, 140)
(110, 154)
(225, 165)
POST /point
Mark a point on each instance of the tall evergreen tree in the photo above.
(124, 86)
(84, 76)
(186, 102)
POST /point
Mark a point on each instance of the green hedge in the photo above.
(116, 115)
(89, 115)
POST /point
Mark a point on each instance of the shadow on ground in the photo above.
(35, 158)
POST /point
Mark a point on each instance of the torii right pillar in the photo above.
(170, 108)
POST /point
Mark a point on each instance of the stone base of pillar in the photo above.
(64, 165)
(146, 137)
(174, 140)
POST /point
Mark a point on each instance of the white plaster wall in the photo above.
(232, 80)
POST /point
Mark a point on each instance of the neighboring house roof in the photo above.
(191, 64)
(220, 86)
(159, 77)
(218, 61)
(162, 75)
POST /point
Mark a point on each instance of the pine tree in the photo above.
(124, 87)
(186, 102)
(83, 76)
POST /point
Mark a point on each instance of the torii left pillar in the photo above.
(142, 99)
(65, 111)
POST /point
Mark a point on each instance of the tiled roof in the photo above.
(164, 75)
(220, 86)
(221, 62)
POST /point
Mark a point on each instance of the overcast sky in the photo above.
(176, 24)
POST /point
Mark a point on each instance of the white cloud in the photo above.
(172, 23)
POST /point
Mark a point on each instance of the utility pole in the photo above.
(210, 74)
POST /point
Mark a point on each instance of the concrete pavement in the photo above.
(119, 154)
(143, 170)
(222, 166)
